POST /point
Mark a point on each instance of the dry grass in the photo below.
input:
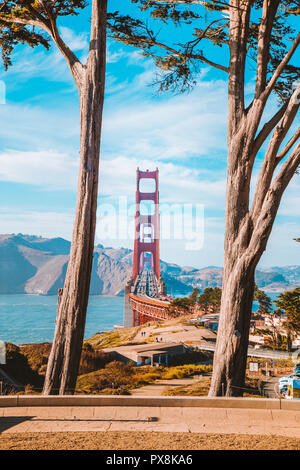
(118, 378)
(201, 387)
(119, 440)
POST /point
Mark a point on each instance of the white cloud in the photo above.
(47, 168)
(290, 204)
(75, 41)
(29, 64)
(46, 224)
(178, 184)
(174, 128)
(282, 249)
(27, 127)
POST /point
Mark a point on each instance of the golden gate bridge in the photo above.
(145, 292)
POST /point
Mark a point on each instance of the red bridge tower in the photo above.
(146, 240)
(145, 288)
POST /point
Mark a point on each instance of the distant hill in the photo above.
(35, 265)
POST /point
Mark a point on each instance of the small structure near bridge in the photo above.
(151, 354)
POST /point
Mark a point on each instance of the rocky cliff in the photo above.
(34, 265)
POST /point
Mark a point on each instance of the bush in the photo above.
(17, 366)
(93, 360)
(190, 358)
(113, 376)
(187, 370)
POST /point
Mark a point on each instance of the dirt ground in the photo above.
(119, 440)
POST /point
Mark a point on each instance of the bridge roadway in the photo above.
(146, 309)
(148, 304)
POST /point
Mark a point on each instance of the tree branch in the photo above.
(270, 161)
(50, 27)
(72, 60)
(153, 43)
(287, 172)
(270, 8)
(267, 128)
(24, 21)
(238, 36)
(264, 222)
(288, 146)
(280, 68)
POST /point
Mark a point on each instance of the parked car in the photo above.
(297, 368)
(283, 381)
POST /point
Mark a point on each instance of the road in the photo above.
(271, 389)
(269, 354)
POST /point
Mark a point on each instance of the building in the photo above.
(147, 354)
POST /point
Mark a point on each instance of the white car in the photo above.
(283, 381)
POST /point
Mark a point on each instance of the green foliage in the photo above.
(20, 18)
(192, 357)
(18, 367)
(27, 364)
(181, 62)
(194, 295)
(113, 376)
(119, 378)
(210, 299)
(187, 370)
(180, 305)
(289, 303)
(264, 301)
(93, 360)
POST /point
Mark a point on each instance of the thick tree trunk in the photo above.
(65, 354)
(289, 340)
(232, 340)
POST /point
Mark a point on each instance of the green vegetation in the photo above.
(200, 388)
(264, 301)
(27, 363)
(289, 304)
(20, 368)
(119, 378)
(210, 299)
(112, 339)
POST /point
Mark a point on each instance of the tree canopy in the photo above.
(181, 62)
(289, 303)
(210, 299)
(264, 301)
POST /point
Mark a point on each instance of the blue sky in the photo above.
(183, 135)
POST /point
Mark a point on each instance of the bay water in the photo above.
(31, 318)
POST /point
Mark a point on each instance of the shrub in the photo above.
(93, 360)
(17, 366)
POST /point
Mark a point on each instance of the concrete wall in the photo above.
(128, 315)
(108, 400)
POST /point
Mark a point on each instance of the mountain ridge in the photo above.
(37, 265)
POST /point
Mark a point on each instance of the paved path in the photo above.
(153, 418)
(158, 387)
(271, 389)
